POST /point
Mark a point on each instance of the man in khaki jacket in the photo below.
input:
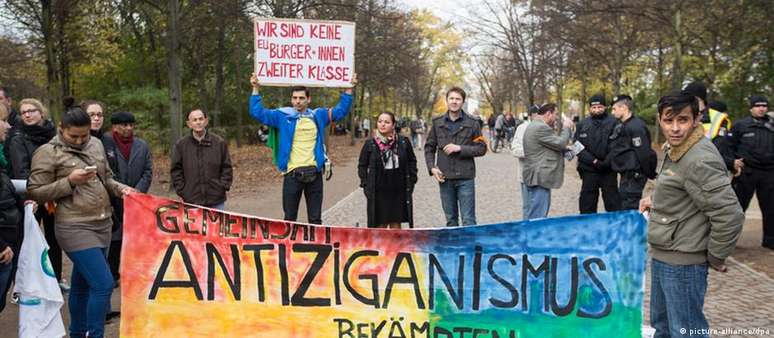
(695, 220)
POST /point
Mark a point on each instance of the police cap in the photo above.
(758, 100)
(597, 99)
(620, 97)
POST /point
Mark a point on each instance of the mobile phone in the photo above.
(91, 168)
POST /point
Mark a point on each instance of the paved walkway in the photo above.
(742, 298)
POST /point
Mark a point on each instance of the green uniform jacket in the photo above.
(695, 215)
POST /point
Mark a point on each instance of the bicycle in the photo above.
(499, 141)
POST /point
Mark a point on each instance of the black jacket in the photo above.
(370, 166)
(25, 140)
(630, 148)
(136, 172)
(460, 165)
(594, 133)
(752, 139)
(10, 215)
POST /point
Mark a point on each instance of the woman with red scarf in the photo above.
(388, 172)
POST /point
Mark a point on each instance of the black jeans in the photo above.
(114, 258)
(589, 194)
(54, 250)
(630, 189)
(292, 188)
(761, 182)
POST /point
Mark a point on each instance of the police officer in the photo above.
(631, 154)
(752, 141)
(593, 133)
(716, 123)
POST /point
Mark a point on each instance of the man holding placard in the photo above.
(300, 155)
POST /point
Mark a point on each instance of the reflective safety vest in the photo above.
(718, 121)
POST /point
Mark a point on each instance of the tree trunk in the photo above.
(219, 77)
(677, 65)
(51, 73)
(174, 70)
(240, 113)
(584, 94)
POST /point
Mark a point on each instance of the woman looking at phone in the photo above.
(83, 215)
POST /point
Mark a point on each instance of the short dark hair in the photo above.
(673, 103)
(195, 109)
(548, 107)
(6, 91)
(75, 117)
(300, 88)
(390, 114)
(457, 90)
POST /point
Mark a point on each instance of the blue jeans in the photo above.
(5, 282)
(464, 192)
(539, 202)
(677, 300)
(524, 201)
(91, 287)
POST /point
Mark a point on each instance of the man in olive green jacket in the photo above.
(695, 220)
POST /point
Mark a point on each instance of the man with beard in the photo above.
(593, 133)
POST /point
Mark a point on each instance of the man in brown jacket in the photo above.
(201, 166)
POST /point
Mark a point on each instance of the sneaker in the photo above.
(15, 298)
(64, 286)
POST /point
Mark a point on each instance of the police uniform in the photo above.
(593, 133)
(717, 125)
(714, 120)
(752, 139)
(631, 156)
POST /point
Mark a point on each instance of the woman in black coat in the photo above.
(34, 131)
(10, 221)
(388, 172)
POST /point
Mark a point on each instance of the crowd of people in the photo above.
(702, 187)
(77, 173)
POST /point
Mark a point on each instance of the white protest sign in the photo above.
(304, 52)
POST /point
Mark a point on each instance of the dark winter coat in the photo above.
(10, 215)
(136, 172)
(201, 171)
(370, 166)
(23, 143)
(594, 133)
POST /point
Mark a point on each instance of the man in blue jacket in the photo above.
(300, 154)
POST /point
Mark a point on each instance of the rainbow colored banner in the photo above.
(194, 272)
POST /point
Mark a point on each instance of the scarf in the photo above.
(3, 160)
(96, 133)
(124, 144)
(387, 147)
(39, 134)
(384, 142)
